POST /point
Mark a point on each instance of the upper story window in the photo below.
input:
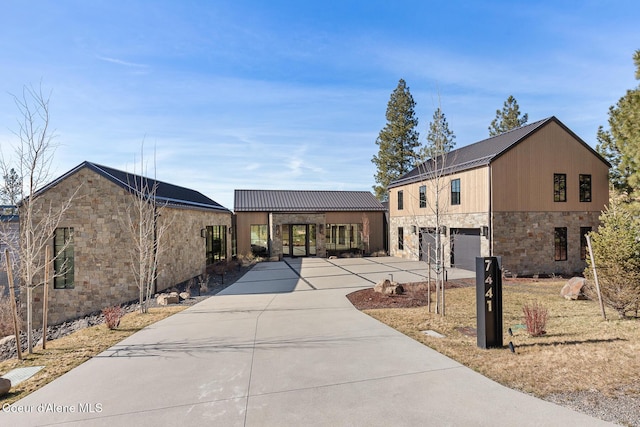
(455, 191)
(400, 200)
(64, 258)
(423, 196)
(585, 188)
(559, 187)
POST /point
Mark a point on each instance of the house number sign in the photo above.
(489, 301)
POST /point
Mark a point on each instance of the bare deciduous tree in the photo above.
(147, 220)
(39, 218)
(433, 171)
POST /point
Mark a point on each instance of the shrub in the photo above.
(535, 318)
(203, 280)
(616, 249)
(112, 316)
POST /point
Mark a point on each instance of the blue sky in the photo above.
(292, 94)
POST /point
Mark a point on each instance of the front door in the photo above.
(298, 238)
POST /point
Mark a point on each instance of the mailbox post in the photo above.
(489, 301)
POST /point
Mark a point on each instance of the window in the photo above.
(344, 237)
(560, 243)
(400, 200)
(400, 238)
(585, 188)
(559, 187)
(583, 242)
(455, 191)
(216, 243)
(259, 239)
(63, 262)
(423, 196)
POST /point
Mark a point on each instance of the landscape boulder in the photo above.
(5, 386)
(574, 289)
(387, 287)
(184, 295)
(165, 299)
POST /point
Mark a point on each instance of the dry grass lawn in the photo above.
(580, 351)
(67, 352)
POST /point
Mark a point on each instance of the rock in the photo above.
(165, 299)
(184, 295)
(574, 289)
(5, 386)
(10, 338)
(387, 287)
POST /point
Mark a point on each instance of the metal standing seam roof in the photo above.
(305, 201)
(165, 193)
(483, 152)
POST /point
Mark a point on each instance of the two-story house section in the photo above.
(528, 195)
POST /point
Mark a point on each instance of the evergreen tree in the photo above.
(508, 118)
(440, 139)
(11, 188)
(620, 145)
(397, 141)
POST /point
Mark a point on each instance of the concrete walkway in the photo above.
(282, 347)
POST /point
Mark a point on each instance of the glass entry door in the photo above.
(298, 240)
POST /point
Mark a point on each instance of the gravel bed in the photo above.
(623, 408)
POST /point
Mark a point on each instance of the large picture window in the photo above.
(560, 243)
(559, 187)
(63, 264)
(344, 237)
(585, 188)
(259, 239)
(455, 191)
(216, 243)
(423, 196)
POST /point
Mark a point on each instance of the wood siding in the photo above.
(474, 195)
(522, 178)
(244, 221)
(376, 225)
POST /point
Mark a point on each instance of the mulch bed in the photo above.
(415, 295)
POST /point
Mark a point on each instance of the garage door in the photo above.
(465, 247)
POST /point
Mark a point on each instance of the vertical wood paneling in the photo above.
(522, 178)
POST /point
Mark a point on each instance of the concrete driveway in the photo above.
(282, 347)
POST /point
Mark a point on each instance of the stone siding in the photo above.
(103, 267)
(277, 220)
(412, 240)
(525, 240)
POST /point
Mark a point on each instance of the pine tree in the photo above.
(508, 118)
(620, 145)
(440, 139)
(398, 140)
(12, 187)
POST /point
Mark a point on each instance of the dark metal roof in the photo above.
(483, 152)
(304, 201)
(165, 193)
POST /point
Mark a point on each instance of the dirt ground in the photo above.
(415, 295)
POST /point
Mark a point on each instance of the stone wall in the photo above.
(184, 250)
(525, 240)
(412, 240)
(277, 220)
(103, 265)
